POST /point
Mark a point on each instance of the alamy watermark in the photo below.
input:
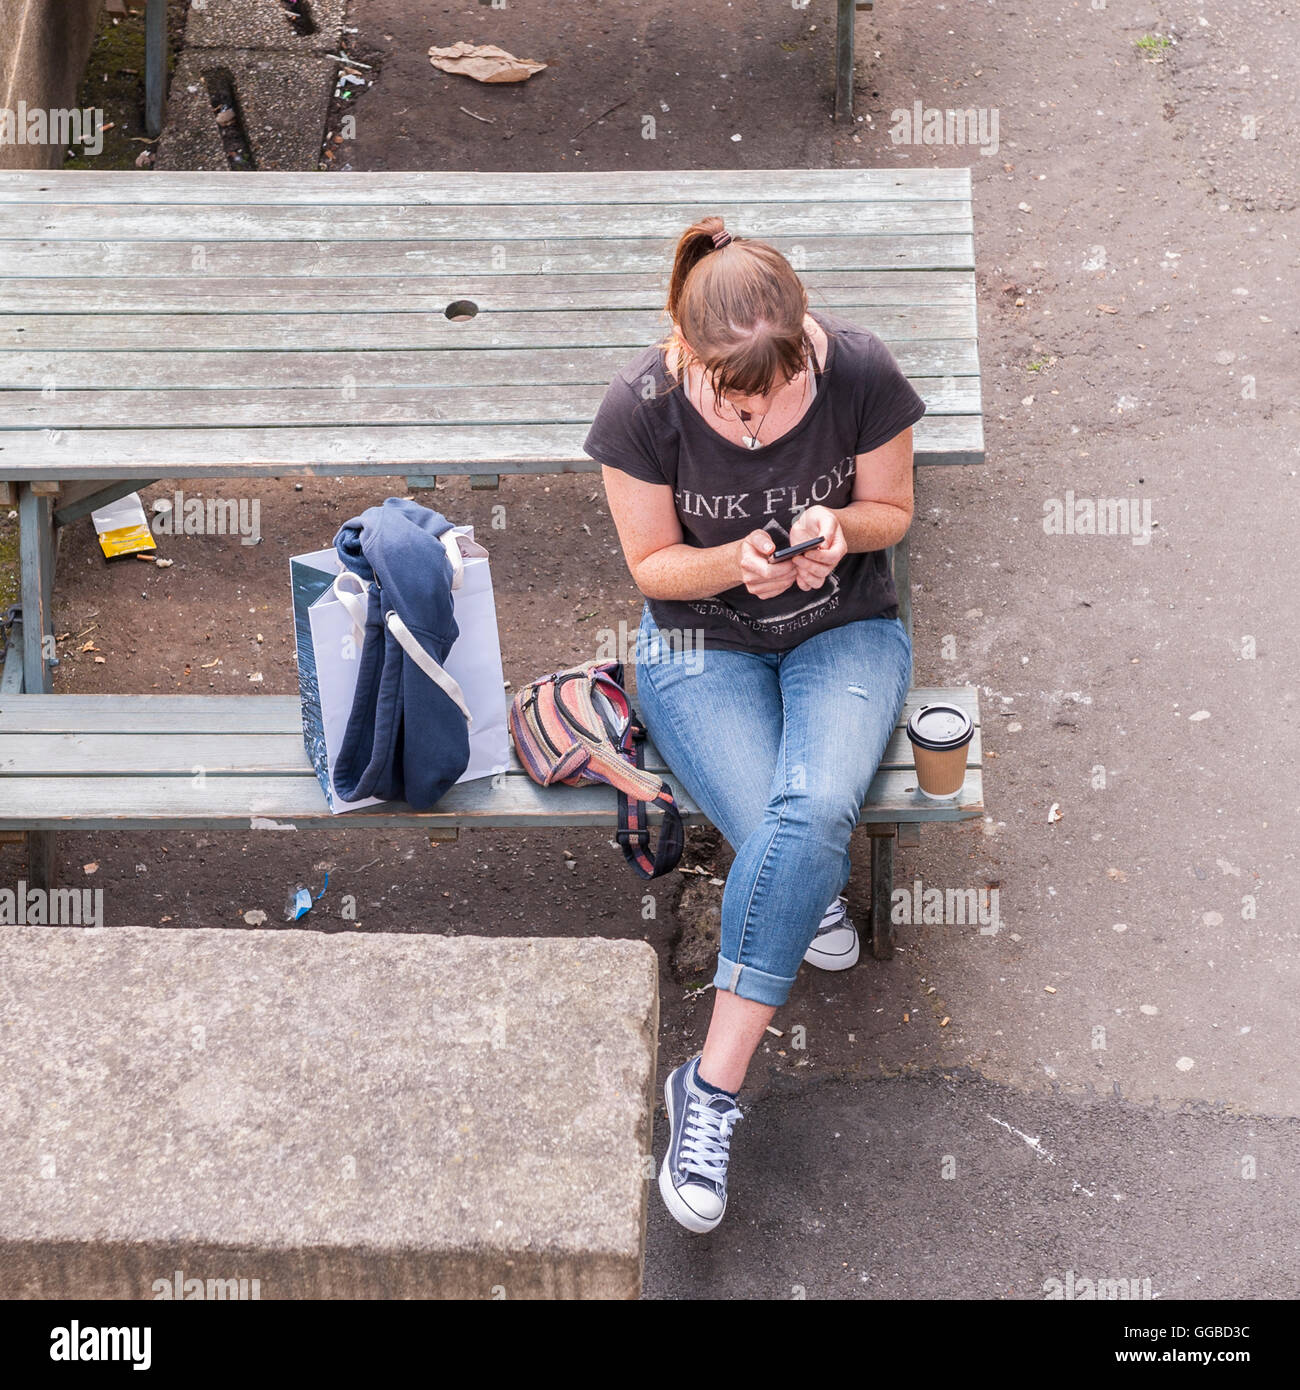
(1101, 516)
(51, 907)
(957, 907)
(178, 1287)
(1075, 1288)
(44, 125)
(179, 515)
(74, 1342)
(931, 125)
(673, 643)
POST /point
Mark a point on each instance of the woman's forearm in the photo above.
(872, 525)
(689, 571)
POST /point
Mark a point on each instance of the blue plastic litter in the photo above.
(300, 900)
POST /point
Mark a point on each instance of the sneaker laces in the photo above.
(834, 917)
(706, 1145)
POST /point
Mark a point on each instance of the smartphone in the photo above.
(799, 549)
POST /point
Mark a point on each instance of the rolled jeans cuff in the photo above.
(746, 982)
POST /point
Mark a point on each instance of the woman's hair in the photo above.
(739, 310)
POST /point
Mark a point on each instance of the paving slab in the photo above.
(333, 1116)
(282, 98)
(264, 24)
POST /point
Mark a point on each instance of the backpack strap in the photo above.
(633, 832)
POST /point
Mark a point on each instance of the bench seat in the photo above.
(131, 762)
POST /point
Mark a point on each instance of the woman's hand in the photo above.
(759, 575)
(813, 567)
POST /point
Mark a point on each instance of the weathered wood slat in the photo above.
(239, 754)
(254, 714)
(426, 294)
(493, 222)
(364, 332)
(326, 407)
(308, 368)
(151, 803)
(350, 189)
(507, 448)
(153, 258)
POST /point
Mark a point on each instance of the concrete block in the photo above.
(283, 100)
(331, 1115)
(263, 24)
(43, 52)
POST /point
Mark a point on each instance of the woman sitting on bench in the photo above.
(770, 685)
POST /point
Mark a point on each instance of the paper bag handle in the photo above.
(355, 602)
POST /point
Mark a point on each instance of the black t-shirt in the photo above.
(723, 491)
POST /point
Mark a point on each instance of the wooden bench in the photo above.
(200, 326)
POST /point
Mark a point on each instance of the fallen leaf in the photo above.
(1106, 309)
(88, 646)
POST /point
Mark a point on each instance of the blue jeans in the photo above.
(778, 749)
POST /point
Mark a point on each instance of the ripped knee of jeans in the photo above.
(859, 690)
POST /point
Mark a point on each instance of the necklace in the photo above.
(750, 441)
(749, 437)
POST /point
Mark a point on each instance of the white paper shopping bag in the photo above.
(329, 651)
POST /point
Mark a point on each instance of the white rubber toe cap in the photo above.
(834, 950)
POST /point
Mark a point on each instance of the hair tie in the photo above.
(721, 239)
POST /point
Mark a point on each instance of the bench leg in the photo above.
(11, 674)
(36, 550)
(155, 64)
(844, 60)
(41, 860)
(882, 890)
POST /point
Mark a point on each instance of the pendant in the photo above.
(750, 443)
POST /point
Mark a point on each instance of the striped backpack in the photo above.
(578, 727)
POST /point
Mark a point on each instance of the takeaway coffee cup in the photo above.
(939, 735)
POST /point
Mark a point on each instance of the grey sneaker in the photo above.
(693, 1179)
(835, 947)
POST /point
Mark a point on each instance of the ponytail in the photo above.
(692, 246)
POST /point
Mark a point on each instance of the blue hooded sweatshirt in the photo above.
(407, 739)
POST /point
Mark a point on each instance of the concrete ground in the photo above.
(1107, 1085)
(1134, 1015)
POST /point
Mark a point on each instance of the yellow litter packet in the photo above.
(123, 528)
